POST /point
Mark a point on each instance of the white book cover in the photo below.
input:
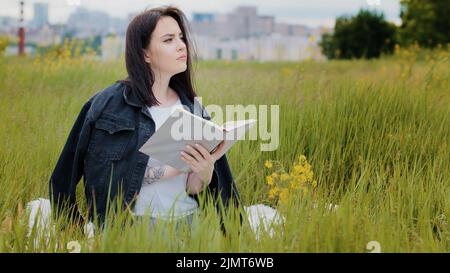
(184, 128)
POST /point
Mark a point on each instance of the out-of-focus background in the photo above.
(234, 30)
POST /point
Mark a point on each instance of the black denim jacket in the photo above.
(102, 147)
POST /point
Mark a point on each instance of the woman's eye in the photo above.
(170, 39)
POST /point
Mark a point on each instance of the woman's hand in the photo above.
(202, 165)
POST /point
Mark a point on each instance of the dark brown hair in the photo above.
(140, 76)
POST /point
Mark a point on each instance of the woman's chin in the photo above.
(181, 68)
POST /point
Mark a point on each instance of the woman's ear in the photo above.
(146, 56)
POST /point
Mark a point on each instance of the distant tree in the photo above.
(327, 45)
(366, 35)
(425, 21)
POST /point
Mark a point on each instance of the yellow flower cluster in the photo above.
(406, 59)
(415, 53)
(4, 41)
(284, 186)
(65, 55)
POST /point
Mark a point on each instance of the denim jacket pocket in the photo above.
(110, 137)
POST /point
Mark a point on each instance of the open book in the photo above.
(184, 128)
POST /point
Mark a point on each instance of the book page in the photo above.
(234, 124)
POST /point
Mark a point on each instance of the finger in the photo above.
(193, 168)
(190, 161)
(203, 151)
(200, 164)
(194, 153)
(188, 157)
(217, 147)
(219, 150)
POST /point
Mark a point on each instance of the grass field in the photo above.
(376, 134)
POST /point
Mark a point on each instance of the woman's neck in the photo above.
(161, 90)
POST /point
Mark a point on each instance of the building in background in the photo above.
(245, 35)
(40, 15)
(241, 34)
(46, 35)
(8, 25)
(85, 23)
(112, 47)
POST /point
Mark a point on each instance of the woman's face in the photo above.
(167, 53)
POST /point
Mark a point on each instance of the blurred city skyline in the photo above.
(232, 30)
(309, 13)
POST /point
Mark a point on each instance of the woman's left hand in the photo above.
(201, 163)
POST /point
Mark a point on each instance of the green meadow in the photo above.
(375, 132)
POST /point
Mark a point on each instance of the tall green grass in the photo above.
(377, 134)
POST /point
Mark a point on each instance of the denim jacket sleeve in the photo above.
(70, 166)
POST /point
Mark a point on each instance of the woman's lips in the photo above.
(182, 58)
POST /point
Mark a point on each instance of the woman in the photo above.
(104, 141)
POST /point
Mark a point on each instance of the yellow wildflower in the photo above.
(296, 179)
(302, 159)
(305, 191)
(303, 178)
(284, 194)
(284, 186)
(269, 180)
(298, 169)
(309, 175)
(284, 177)
(272, 193)
(294, 185)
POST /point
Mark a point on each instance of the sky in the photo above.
(308, 12)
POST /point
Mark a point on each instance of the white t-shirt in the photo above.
(164, 198)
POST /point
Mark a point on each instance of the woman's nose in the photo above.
(181, 45)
